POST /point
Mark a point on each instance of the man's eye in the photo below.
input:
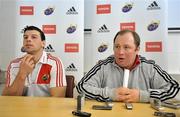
(126, 47)
(117, 46)
(25, 37)
(34, 37)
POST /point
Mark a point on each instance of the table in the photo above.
(14, 106)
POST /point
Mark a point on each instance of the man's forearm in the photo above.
(91, 92)
(16, 89)
(58, 91)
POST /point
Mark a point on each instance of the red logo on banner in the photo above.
(71, 47)
(129, 26)
(153, 46)
(103, 9)
(49, 29)
(26, 10)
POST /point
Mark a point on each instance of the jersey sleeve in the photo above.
(57, 74)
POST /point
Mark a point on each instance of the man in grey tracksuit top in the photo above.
(146, 79)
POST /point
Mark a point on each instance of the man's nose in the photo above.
(121, 51)
(29, 39)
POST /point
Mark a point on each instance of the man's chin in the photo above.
(29, 52)
(121, 65)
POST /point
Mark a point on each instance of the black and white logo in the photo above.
(71, 67)
(72, 11)
(49, 48)
(103, 29)
(153, 6)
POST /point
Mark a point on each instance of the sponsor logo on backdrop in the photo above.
(49, 48)
(129, 26)
(127, 7)
(72, 11)
(26, 10)
(153, 6)
(103, 29)
(103, 9)
(49, 29)
(71, 67)
(71, 29)
(153, 46)
(153, 25)
(102, 48)
(71, 47)
(48, 11)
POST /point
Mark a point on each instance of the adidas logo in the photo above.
(153, 6)
(72, 11)
(103, 29)
(49, 48)
(71, 67)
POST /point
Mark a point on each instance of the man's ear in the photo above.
(137, 49)
(43, 44)
(113, 47)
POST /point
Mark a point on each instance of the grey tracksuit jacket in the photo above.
(153, 82)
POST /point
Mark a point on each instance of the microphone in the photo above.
(126, 78)
(23, 49)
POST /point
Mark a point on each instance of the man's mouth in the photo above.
(28, 45)
(121, 58)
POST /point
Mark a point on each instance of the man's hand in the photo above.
(27, 65)
(127, 95)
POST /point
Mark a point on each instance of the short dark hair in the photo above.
(135, 35)
(43, 38)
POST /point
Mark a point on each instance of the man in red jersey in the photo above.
(36, 73)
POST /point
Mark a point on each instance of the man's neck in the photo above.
(37, 56)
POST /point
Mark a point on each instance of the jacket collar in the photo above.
(136, 62)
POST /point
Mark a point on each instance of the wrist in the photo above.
(21, 75)
(112, 94)
(143, 96)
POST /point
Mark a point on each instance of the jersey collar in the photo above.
(43, 58)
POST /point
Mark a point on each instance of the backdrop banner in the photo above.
(147, 18)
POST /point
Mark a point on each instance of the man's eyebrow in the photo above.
(31, 34)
